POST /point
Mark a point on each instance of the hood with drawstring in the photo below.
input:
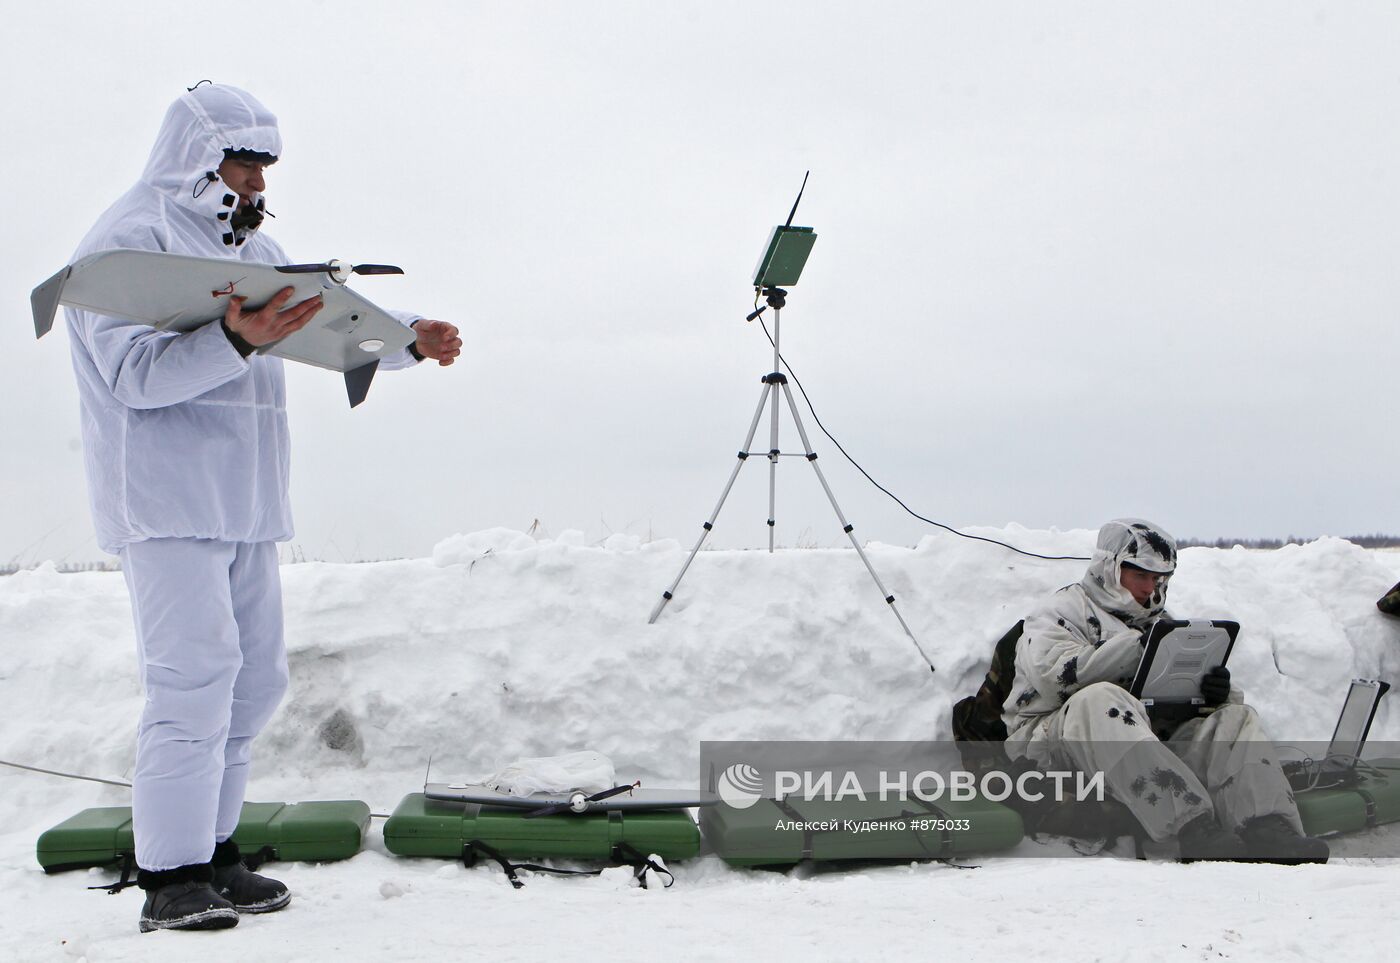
(197, 131)
(179, 204)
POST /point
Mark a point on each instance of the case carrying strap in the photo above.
(622, 853)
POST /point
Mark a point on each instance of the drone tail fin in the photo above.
(43, 301)
(357, 381)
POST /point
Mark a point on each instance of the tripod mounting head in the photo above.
(777, 300)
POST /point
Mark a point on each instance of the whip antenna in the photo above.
(792, 213)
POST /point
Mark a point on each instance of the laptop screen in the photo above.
(1355, 720)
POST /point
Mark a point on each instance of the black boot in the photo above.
(1272, 839)
(1204, 839)
(246, 890)
(182, 899)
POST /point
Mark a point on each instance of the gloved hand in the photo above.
(1215, 686)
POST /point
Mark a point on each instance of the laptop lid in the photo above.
(1177, 655)
(1354, 724)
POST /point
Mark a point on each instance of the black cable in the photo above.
(978, 538)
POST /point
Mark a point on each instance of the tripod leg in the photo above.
(709, 525)
(774, 379)
(773, 470)
(846, 526)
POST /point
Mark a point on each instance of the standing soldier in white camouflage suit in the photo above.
(188, 451)
(1211, 781)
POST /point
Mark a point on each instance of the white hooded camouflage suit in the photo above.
(187, 454)
(1070, 707)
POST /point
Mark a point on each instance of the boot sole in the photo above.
(1289, 860)
(210, 919)
(266, 906)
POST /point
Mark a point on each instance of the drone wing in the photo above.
(176, 292)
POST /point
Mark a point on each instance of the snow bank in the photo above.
(502, 647)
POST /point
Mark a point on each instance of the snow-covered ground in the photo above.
(500, 647)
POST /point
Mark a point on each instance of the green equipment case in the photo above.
(315, 831)
(421, 826)
(781, 833)
(1372, 800)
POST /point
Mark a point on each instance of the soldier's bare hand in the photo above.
(438, 340)
(272, 322)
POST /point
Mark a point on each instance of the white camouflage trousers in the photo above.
(1222, 763)
(213, 666)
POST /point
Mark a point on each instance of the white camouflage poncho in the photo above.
(182, 436)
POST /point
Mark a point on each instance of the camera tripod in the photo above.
(775, 384)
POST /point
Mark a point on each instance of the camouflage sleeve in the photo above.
(1068, 646)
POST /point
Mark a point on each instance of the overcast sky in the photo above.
(1075, 260)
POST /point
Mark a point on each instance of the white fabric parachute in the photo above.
(182, 436)
(585, 771)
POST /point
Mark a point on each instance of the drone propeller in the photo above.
(376, 269)
(578, 802)
(339, 270)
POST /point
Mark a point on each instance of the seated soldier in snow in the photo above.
(1210, 780)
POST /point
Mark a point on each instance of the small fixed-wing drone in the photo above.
(178, 292)
(629, 798)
